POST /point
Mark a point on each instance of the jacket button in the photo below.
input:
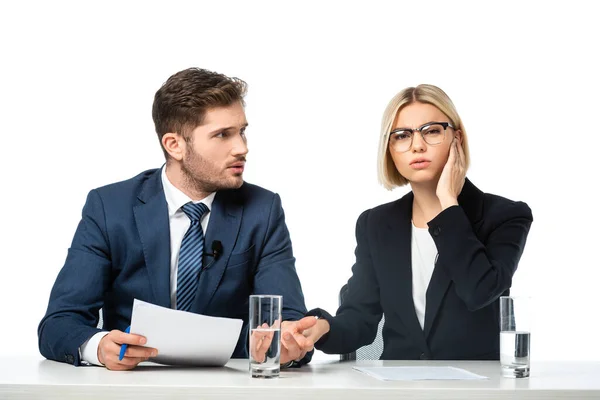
(424, 356)
(69, 358)
(436, 231)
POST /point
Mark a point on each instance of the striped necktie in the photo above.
(190, 256)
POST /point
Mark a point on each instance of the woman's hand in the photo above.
(316, 332)
(453, 176)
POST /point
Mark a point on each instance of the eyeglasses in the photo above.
(432, 133)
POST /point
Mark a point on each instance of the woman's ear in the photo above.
(458, 136)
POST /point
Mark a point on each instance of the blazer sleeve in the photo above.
(275, 271)
(77, 294)
(481, 272)
(357, 318)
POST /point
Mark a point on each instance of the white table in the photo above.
(31, 378)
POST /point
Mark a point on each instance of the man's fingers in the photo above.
(110, 348)
(265, 343)
(117, 367)
(254, 350)
(140, 352)
(260, 342)
(292, 350)
(258, 356)
(132, 361)
(258, 338)
(113, 362)
(129, 338)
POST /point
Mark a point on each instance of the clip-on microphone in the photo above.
(217, 250)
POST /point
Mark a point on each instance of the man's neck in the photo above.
(181, 181)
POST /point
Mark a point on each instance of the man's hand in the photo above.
(260, 341)
(110, 347)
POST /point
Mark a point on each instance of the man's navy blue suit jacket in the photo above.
(121, 251)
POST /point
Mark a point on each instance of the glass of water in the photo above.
(265, 335)
(515, 336)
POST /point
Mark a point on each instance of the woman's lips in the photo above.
(420, 164)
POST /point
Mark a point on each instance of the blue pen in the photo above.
(123, 346)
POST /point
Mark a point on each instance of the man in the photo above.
(190, 235)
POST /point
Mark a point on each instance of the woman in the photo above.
(435, 261)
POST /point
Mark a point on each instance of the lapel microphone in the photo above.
(217, 250)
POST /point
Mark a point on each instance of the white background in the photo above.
(77, 84)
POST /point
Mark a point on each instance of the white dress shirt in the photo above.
(423, 254)
(178, 226)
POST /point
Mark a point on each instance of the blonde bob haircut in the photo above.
(387, 173)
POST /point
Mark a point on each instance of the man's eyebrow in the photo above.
(227, 128)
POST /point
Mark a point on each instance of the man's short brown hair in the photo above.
(181, 103)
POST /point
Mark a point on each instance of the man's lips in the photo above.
(238, 166)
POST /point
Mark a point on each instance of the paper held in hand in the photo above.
(184, 338)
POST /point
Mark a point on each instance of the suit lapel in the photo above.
(224, 225)
(471, 201)
(398, 264)
(436, 291)
(152, 220)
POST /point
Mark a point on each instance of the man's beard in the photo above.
(202, 176)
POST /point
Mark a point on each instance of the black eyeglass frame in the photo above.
(420, 129)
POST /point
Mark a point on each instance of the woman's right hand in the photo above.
(316, 332)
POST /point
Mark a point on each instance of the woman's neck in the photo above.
(426, 205)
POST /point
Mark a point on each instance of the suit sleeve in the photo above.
(77, 294)
(356, 320)
(481, 272)
(276, 269)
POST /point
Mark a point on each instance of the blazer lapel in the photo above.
(152, 220)
(224, 225)
(397, 237)
(471, 200)
(436, 291)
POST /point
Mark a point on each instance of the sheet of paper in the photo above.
(418, 373)
(184, 338)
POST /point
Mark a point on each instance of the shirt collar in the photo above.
(176, 198)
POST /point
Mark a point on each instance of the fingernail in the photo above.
(154, 352)
(288, 336)
(143, 341)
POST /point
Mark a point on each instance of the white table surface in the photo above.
(30, 378)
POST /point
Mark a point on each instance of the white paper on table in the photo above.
(184, 338)
(418, 373)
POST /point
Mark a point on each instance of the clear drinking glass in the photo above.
(265, 335)
(515, 336)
